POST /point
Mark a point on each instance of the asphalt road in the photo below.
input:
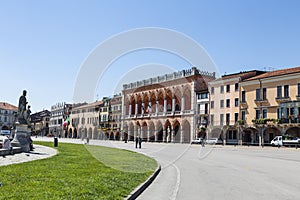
(219, 172)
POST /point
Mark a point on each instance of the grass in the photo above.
(77, 172)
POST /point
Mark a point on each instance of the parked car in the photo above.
(197, 141)
(212, 141)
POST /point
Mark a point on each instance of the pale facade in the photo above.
(225, 115)
(162, 109)
(59, 112)
(85, 121)
(115, 116)
(271, 105)
(7, 115)
(40, 123)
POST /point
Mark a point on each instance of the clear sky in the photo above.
(43, 44)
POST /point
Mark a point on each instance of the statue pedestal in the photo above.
(22, 137)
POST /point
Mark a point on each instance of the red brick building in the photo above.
(162, 109)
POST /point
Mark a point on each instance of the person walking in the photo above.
(136, 142)
(140, 142)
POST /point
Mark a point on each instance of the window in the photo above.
(222, 103)
(236, 87)
(203, 96)
(232, 134)
(265, 113)
(212, 104)
(227, 118)
(243, 115)
(243, 96)
(212, 120)
(212, 90)
(279, 91)
(222, 89)
(298, 90)
(227, 88)
(292, 111)
(236, 117)
(221, 119)
(286, 91)
(264, 93)
(236, 102)
(279, 113)
(227, 103)
(257, 115)
(258, 94)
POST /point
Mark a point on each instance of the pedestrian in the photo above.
(136, 142)
(140, 142)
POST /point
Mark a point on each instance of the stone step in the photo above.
(4, 152)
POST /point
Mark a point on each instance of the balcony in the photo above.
(283, 99)
(289, 120)
(261, 101)
(243, 103)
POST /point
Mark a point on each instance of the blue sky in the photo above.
(44, 43)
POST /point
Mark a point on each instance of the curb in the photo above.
(133, 195)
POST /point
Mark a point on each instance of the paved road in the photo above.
(219, 172)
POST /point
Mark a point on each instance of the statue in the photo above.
(22, 136)
(28, 115)
(22, 108)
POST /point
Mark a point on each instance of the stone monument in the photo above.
(22, 136)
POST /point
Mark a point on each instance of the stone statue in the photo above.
(28, 115)
(22, 132)
(22, 108)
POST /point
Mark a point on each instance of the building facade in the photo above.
(162, 109)
(271, 105)
(84, 120)
(105, 119)
(40, 123)
(225, 95)
(7, 116)
(202, 114)
(115, 116)
(59, 112)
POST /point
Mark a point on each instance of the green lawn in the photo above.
(77, 172)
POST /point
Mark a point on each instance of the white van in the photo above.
(285, 141)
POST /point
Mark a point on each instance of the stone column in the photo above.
(136, 108)
(135, 132)
(173, 105)
(181, 135)
(164, 135)
(148, 134)
(150, 106)
(141, 132)
(173, 136)
(143, 108)
(130, 109)
(182, 104)
(157, 106)
(165, 106)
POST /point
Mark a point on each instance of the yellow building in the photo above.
(85, 121)
(225, 106)
(270, 105)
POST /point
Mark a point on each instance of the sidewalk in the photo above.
(40, 152)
